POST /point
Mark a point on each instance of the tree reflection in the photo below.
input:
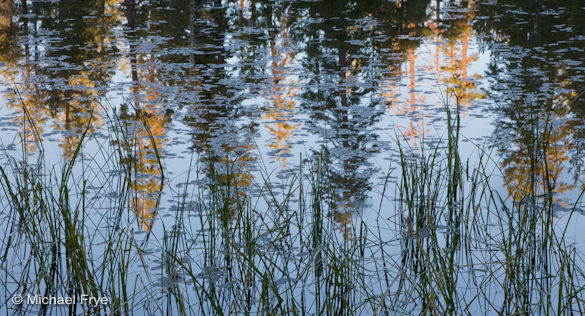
(412, 30)
(79, 63)
(144, 144)
(457, 31)
(61, 63)
(341, 79)
(223, 141)
(535, 74)
(147, 123)
(279, 109)
(25, 97)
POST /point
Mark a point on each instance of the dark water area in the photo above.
(244, 91)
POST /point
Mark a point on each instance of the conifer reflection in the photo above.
(339, 92)
(60, 63)
(146, 119)
(535, 75)
(221, 138)
(281, 101)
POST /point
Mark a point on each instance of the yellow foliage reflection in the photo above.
(281, 98)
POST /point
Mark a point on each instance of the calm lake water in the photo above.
(250, 89)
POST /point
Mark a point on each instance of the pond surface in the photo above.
(245, 91)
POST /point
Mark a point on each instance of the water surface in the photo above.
(244, 91)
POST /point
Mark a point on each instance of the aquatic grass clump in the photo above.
(281, 260)
(63, 241)
(462, 240)
(51, 233)
(542, 273)
(437, 206)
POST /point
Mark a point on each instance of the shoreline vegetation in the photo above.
(448, 243)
